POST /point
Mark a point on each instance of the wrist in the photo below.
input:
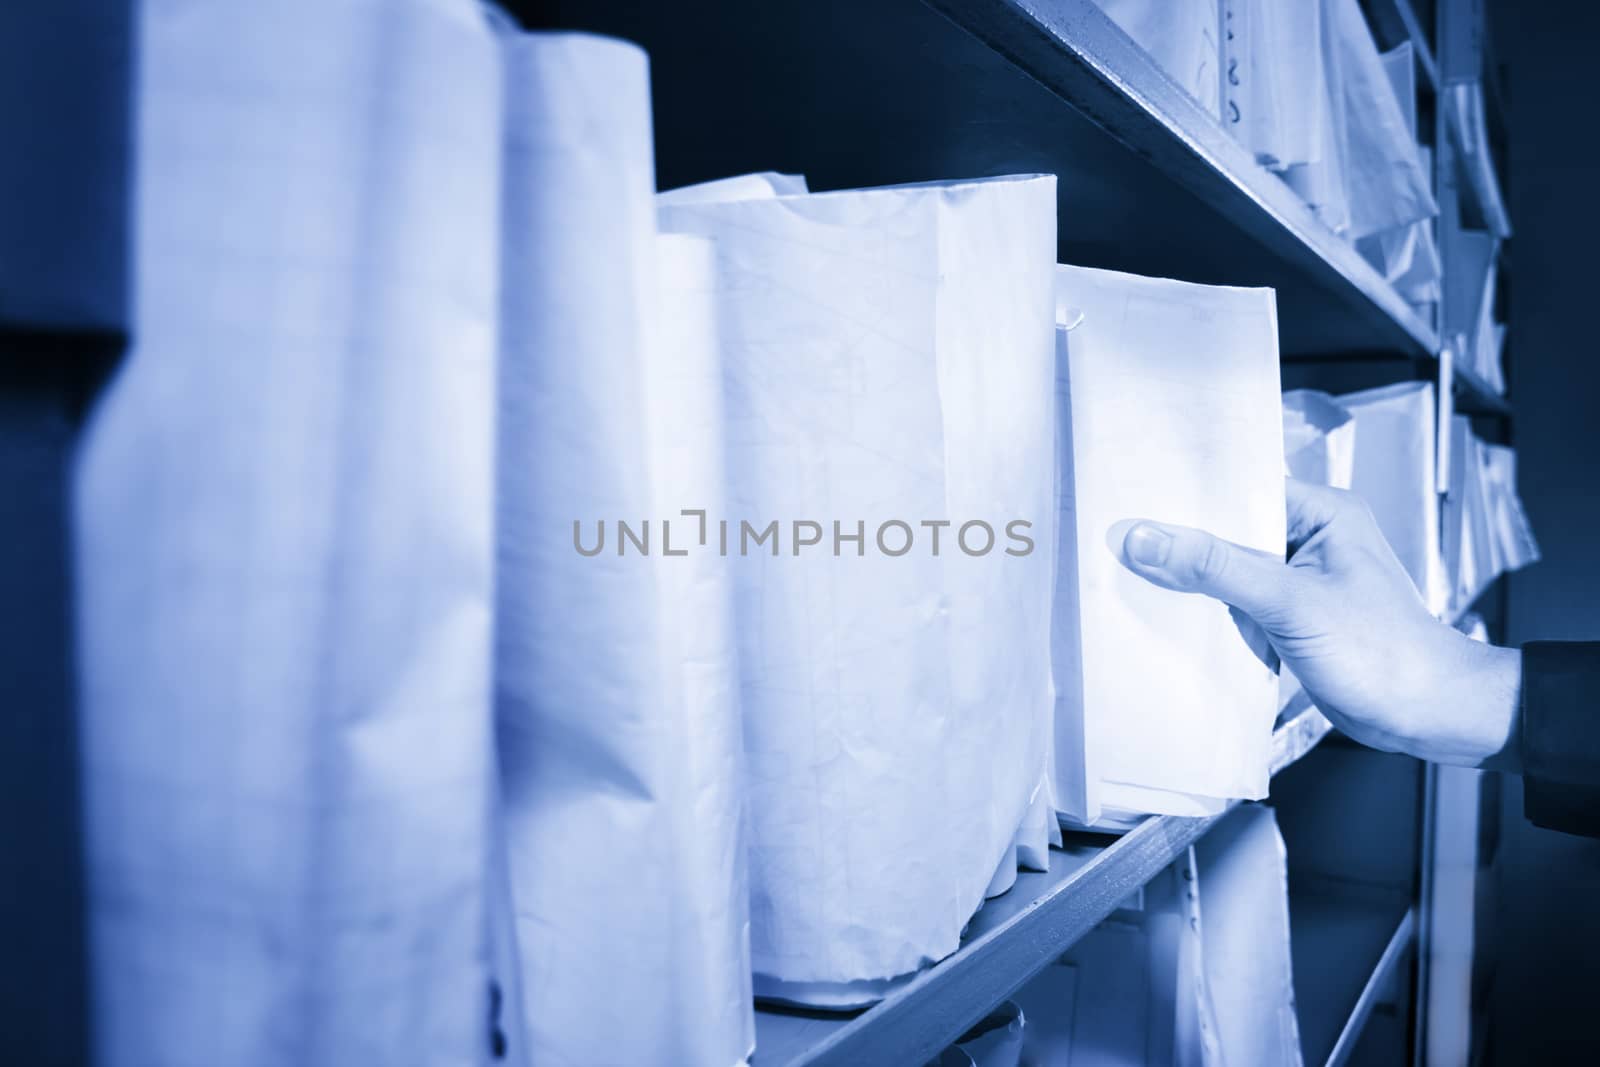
(1473, 717)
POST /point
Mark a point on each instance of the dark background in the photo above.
(1544, 1004)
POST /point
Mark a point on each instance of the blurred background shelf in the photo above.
(1349, 948)
(857, 93)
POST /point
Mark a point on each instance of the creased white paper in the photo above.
(1275, 100)
(887, 359)
(1243, 877)
(284, 545)
(1395, 474)
(1180, 36)
(1368, 176)
(1171, 412)
(1319, 438)
(616, 706)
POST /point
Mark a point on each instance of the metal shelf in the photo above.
(1075, 50)
(1348, 946)
(1010, 940)
(868, 92)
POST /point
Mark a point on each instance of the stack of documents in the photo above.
(1182, 37)
(1486, 530)
(1367, 177)
(1170, 410)
(888, 360)
(1395, 473)
(1407, 255)
(1274, 93)
(616, 691)
(284, 545)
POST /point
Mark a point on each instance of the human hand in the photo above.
(1346, 619)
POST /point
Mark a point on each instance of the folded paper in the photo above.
(1395, 473)
(1181, 36)
(1319, 438)
(615, 687)
(1243, 878)
(887, 358)
(285, 547)
(1170, 410)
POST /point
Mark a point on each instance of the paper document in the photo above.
(616, 686)
(1319, 438)
(1243, 877)
(888, 361)
(1394, 473)
(1181, 36)
(284, 545)
(1171, 410)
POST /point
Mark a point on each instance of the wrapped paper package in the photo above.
(1319, 438)
(1243, 877)
(1368, 175)
(1275, 101)
(1131, 992)
(1406, 255)
(1170, 410)
(615, 686)
(887, 357)
(1181, 36)
(1469, 565)
(1509, 529)
(285, 545)
(1395, 473)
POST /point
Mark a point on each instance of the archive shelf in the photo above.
(1336, 936)
(1012, 938)
(856, 93)
(1074, 49)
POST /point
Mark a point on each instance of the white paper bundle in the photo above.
(1510, 530)
(1406, 255)
(1319, 438)
(1171, 411)
(1465, 516)
(888, 365)
(1131, 992)
(1181, 36)
(1275, 99)
(1243, 878)
(284, 545)
(616, 705)
(1395, 473)
(1367, 176)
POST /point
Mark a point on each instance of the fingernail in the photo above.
(1148, 545)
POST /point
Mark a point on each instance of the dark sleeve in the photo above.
(1560, 735)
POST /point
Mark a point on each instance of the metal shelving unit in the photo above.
(1012, 938)
(855, 93)
(1074, 49)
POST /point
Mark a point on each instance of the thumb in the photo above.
(1193, 561)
